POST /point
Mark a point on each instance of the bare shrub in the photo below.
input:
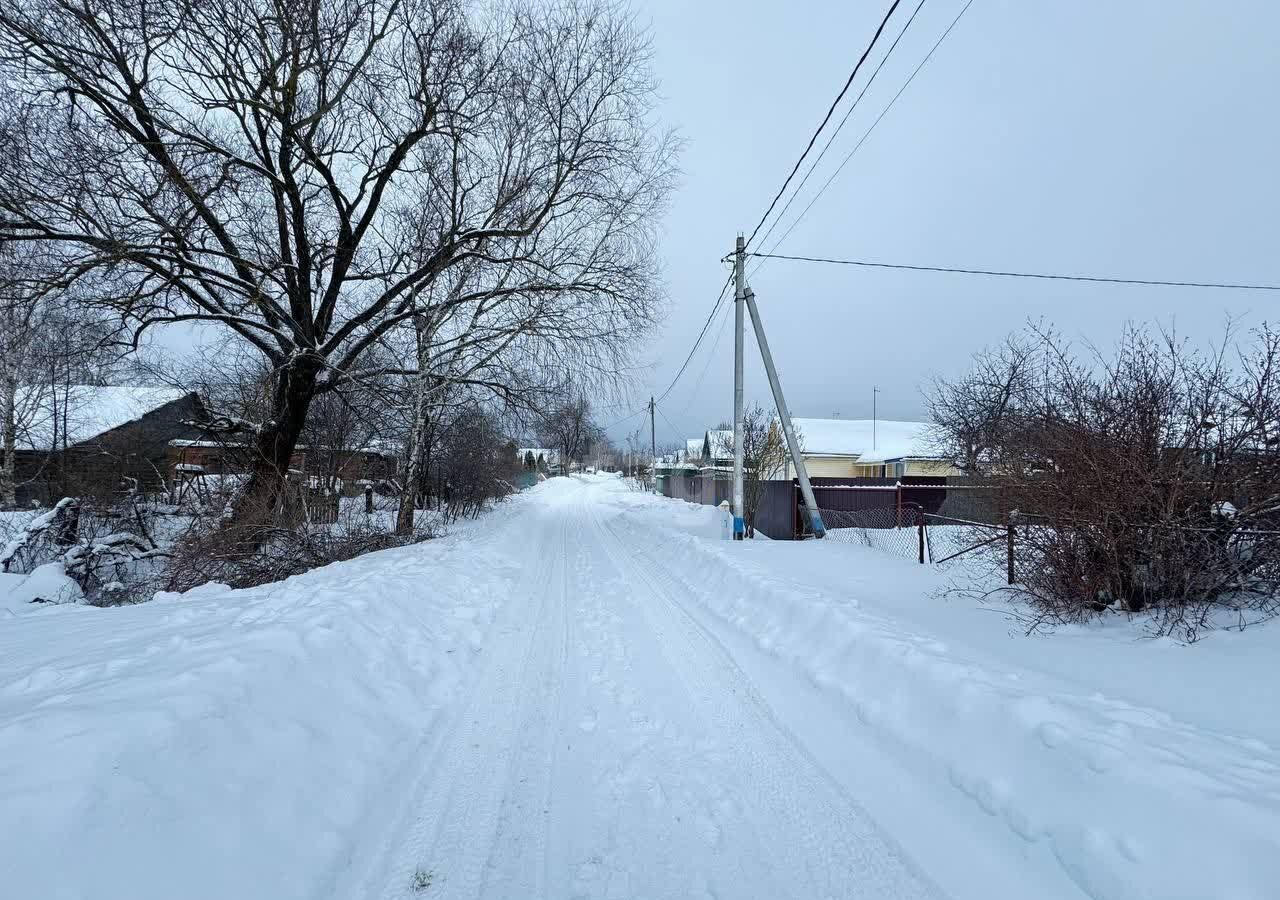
(764, 453)
(250, 555)
(478, 464)
(1145, 480)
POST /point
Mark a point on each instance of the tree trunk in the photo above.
(8, 442)
(414, 475)
(273, 450)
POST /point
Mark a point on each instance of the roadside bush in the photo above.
(214, 550)
(1144, 481)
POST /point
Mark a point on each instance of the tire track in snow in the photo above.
(808, 827)
(449, 823)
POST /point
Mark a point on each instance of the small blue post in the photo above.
(739, 528)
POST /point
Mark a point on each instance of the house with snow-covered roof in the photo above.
(78, 440)
(693, 450)
(867, 448)
(717, 447)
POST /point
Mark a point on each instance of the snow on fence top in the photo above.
(68, 415)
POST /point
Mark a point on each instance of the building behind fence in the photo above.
(881, 502)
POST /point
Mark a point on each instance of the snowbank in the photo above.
(233, 743)
(1133, 768)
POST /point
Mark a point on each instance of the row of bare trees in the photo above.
(428, 204)
(1145, 477)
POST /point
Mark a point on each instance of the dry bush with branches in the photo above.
(1143, 480)
(764, 453)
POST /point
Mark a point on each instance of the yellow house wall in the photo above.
(934, 467)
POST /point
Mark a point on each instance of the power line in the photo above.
(693, 395)
(674, 431)
(862, 140)
(714, 308)
(836, 133)
(825, 119)
(1101, 279)
(630, 415)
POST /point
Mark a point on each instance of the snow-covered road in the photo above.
(612, 748)
(587, 694)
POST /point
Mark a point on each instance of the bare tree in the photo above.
(764, 452)
(971, 413)
(570, 429)
(302, 177)
(479, 464)
(21, 321)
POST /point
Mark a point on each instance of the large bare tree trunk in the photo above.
(277, 439)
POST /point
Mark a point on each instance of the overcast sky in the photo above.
(1134, 139)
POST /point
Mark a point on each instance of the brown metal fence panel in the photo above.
(776, 514)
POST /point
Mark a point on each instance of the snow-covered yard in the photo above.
(588, 694)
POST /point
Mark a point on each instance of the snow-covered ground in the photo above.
(588, 694)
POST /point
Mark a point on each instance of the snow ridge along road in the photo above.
(588, 695)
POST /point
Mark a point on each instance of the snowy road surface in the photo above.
(587, 695)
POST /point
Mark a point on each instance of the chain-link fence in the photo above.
(911, 533)
(948, 538)
(895, 530)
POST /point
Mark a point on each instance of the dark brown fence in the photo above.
(780, 514)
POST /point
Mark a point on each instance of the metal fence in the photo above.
(909, 532)
(858, 503)
(899, 531)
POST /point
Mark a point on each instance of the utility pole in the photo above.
(784, 416)
(653, 446)
(739, 302)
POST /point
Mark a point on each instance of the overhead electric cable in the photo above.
(705, 325)
(825, 119)
(836, 133)
(867, 133)
(1102, 279)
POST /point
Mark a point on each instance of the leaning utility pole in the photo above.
(739, 302)
(784, 416)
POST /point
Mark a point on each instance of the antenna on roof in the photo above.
(874, 390)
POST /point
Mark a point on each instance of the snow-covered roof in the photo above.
(721, 443)
(693, 448)
(68, 415)
(853, 438)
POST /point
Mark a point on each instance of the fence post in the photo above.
(368, 499)
(1009, 531)
(898, 492)
(920, 527)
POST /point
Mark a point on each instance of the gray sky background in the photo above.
(1133, 139)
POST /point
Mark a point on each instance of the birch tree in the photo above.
(301, 175)
(21, 312)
